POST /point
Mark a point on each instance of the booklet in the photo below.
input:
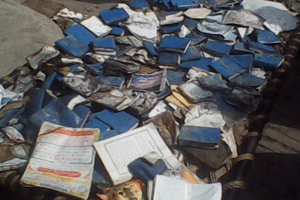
(119, 151)
(63, 160)
(149, 82)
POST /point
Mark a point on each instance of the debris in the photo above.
(197, 13)
(163, 82)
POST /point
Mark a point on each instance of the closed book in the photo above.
(169, 59)
(104, 46)
(114, 16)
(117, 31)
(96, 26)
(175, 44)
(119, 121)
(80, 33)
(199, 137)
(271, 61)
(227, 66)
(72, 46)
(217, 48)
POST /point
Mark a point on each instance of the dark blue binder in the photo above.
(202, 63)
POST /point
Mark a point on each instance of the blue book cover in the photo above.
(114, 16)
(175, 44)
(138, 4)
(195, 38)
(72, 46)
(217, 48)
(248, 80)
(176, 77)
(271, 61)
(94, 122)
(104, 43)
(190, 23)
(240, 47)
(117, 31)
(268, 37)
(227, 66)
(96, 69)
(171, 28)
(149, 46)
(185, 4)
(201, 137)
(80, 33)
(213, 82)
(56, 112)
(261, 48)
(114, 81)
(169, 58)
(83, 112)
(246, 60)
(119, 121)
(192, 53)
(202, 63)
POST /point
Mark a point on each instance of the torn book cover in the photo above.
(213, 82)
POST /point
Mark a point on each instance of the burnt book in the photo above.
(104, 46)
(217, 48)
(169, 59)
(199, 137)
(149, 82)
(271, 61)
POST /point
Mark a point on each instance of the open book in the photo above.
(118, 152)
(171, 188)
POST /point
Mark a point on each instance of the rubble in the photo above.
(128, 101)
